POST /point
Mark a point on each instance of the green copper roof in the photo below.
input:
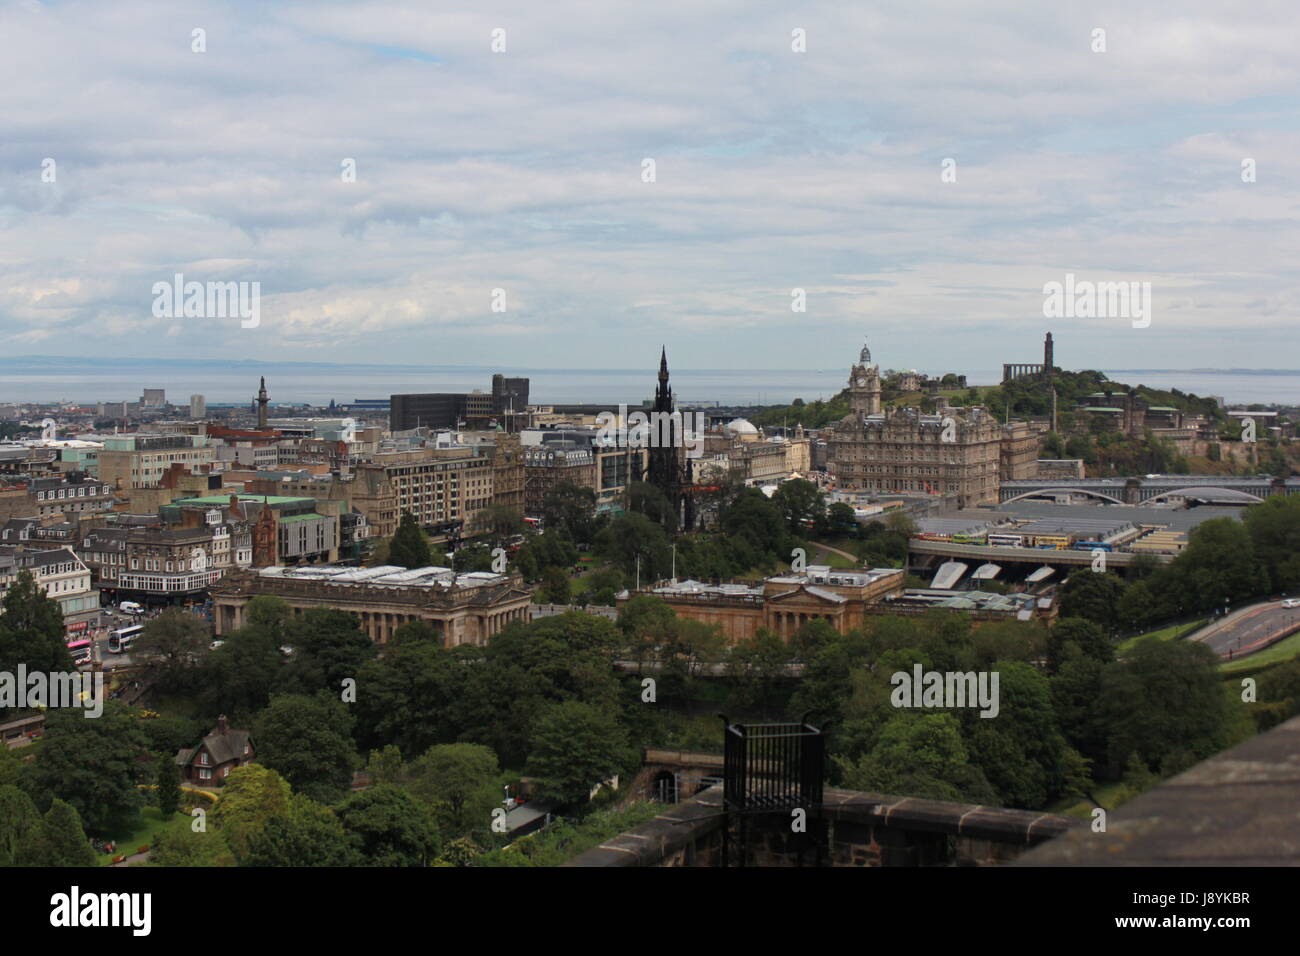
(225, 499)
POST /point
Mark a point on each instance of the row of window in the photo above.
(72, 492)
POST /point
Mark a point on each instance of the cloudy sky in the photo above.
(774, 170)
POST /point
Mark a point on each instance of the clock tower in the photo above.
(864, 385)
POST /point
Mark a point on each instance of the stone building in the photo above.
(1019, 452)
(783, 603)
(461, 608)
(445, 489)
(555, 463)
(957, 452)
(508, 466)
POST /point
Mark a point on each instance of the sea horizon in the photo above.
(83, 380)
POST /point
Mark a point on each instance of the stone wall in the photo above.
(858, 829)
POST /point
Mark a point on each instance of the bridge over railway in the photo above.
(1154, 488)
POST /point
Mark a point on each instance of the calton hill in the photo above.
(401, 754)
(1105, 453)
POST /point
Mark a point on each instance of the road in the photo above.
(106, 621)
(1249, 630)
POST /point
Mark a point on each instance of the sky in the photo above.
(524, 170)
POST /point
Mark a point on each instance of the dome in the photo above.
(864, 358)
(741, 428)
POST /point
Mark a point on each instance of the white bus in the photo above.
(120, 640)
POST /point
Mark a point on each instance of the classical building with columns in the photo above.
(783, 603)
(461, 608)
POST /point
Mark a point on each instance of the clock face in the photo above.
(862, 382)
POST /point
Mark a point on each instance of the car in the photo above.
(215, 644)
(1291, 602)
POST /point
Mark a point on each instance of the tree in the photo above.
(458, 783)
(919, 755)
(1165, 699)
(757, 666)
(1075, 689)
(841, 520)
(170, 648)
(404, 698)
(93, 765)
(570, 508)
(574, 747)
(306, 833)
(757, 528)
(647, 622)
(1073, 637)
(630, 537)
(309, 741)
(1093, 596)
(63, 840)
(540, 552)
(556, 589)
(184, 847)
(474, 557)
(1274, 529)
(391, 827)
(500, 523)
(169, 788)
(1136, 607)
(20, 829)
(409, 547)
(1217, 568)
(241, 675)
(328, 646)
(11, 768)
(31, 629)
(799, 501)
(1021, 751)
(251, 795)
(643, 498)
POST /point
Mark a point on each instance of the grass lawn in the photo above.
(146, 828)
(839, 561)
(1164, 634)
(1283, 650)
(1105, 794)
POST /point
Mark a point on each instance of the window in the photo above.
(203, 758)
(205, 774)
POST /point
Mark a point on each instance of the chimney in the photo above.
(222, 726)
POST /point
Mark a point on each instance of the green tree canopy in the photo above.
(409, 547)
(31, 629)
(308, 740)
(576, 746)
(391, 827)
(93, 765)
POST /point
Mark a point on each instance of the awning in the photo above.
(949, 573)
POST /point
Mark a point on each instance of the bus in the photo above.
(120, 640)
(80, 649)
(1093, 546)
(1006, 540)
